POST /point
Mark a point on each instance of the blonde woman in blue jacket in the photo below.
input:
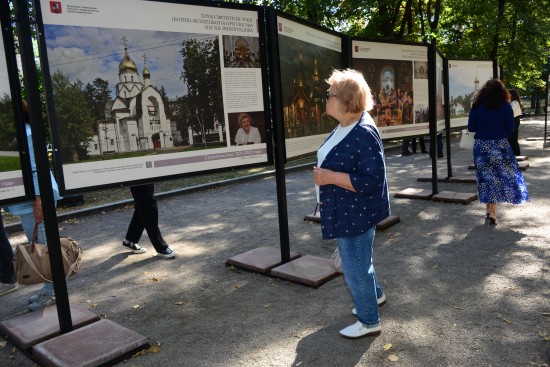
(353, 193)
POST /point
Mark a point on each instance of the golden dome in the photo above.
(146, 73)
(127, 63)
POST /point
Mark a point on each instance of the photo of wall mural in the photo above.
(391, 84)
(304, 68)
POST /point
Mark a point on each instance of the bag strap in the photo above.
(29, 261)
(71, 268)
(34, 236)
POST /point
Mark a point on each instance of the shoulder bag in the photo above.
(32, 260)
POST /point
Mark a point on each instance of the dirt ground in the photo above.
(459, 292)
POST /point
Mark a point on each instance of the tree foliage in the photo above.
(97, 94)
(8, 135)
(202, 76)
(513, 32)
(73, 117)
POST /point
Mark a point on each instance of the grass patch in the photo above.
(8, 163)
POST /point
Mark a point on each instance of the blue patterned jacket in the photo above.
(345, 213)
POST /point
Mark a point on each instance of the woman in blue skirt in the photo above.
(499, 179)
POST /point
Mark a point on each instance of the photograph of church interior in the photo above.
(241, 52)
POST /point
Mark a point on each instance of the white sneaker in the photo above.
(381, 300)
(136, 249)
(168, 253)
(359, 330)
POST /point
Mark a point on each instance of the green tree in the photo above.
(73, 116)
(8, 135)
(202, 76)
(97, 95)
(513, 32)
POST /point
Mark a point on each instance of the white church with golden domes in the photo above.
(136, 119)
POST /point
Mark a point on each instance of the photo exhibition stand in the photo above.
(306, 270)
(544, 138)
(434, 194)
(60, 334)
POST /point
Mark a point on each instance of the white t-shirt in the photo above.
(516, 108)
(327, 146)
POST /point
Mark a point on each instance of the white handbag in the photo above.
(467, 140)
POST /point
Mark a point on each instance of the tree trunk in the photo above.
(496, 36)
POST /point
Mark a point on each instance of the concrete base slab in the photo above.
(454, 197)
(316, 217)
(412, 193)
(429, 179)
(463, 179)
(98, 344)
(28, 329)
(522, 166)
(388, 222)
(308, 270)
(534, 139)
(260, 260)
(520, 158)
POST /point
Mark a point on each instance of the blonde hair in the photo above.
(352, 90)
(242, 116)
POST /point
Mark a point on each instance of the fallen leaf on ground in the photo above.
(154, 349)
(136, 306)
(505, 320)
(393, 358)
(388, 346)
(459, 308)
(3, 343)
(179, 303)
(267, 306)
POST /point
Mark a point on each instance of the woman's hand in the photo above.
(37, 210)
(323, 176)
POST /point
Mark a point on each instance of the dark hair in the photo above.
(491, 95)
(514, 96)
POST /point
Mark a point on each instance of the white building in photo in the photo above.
(136, 119)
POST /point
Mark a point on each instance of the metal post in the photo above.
(42, 164)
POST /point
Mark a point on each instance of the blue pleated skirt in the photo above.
(499, 179)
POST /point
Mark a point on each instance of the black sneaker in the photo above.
(168, 253)
(136, 249)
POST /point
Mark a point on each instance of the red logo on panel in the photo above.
(280, 27)
(356, 48)
(55, 7)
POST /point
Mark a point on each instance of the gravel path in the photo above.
(460, 292)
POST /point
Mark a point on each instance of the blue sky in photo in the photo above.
(85, 53)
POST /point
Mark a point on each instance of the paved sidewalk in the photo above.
(459, 292)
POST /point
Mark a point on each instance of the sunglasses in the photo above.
(330, 95)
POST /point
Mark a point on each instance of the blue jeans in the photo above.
(356, 254)
(28, 222)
